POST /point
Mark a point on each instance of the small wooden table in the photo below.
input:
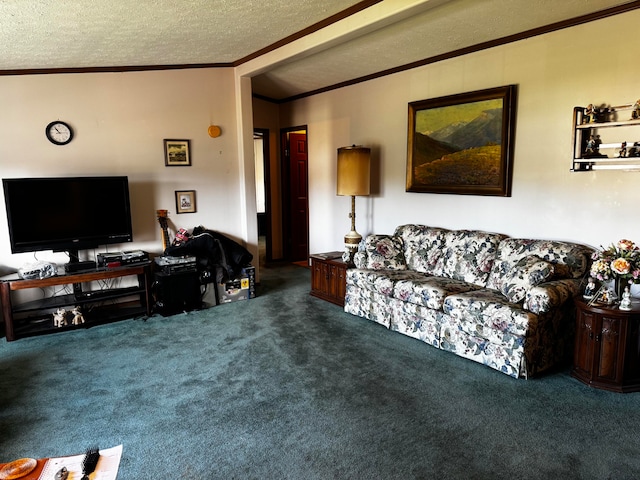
(329, 277)
(607, 346)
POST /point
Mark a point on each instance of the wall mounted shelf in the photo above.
(591, 152)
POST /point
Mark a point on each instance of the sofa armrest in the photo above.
(380, 252)
(360, 259)
(546, 296)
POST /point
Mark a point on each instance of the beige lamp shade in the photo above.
(354, 170)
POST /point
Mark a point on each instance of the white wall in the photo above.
(120, 121)
(592, 63)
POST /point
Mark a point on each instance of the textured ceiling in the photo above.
(72, 34)
(442, 27)
(93, 33)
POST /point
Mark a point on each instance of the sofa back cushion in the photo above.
(570, 260)
(423, 248)
(384, 252)
(468, 255)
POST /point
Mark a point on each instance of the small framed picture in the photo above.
(185, 201)
(177, 153)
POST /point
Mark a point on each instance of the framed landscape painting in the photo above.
(462, 144)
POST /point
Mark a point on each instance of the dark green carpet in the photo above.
(286, 386)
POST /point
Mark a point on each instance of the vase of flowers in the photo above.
(619, 263)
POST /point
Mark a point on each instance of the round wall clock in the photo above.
(59, 133)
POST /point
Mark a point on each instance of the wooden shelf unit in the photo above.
(99, 306)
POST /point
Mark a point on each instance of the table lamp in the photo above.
(353, 179)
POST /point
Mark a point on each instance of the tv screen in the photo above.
(67, 214)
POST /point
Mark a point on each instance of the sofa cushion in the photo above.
(571, 260)
(528, 272)
(380, 281)
(429, 291)
(469, 255)
(486, 308)
(384, 252)
(367, 304)
(499, 350)
(416, 321)
(423, 247)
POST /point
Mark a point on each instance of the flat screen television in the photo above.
(67, 213)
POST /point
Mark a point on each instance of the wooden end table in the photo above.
(607, 346)
(329, 277)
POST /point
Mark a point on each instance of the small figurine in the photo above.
(607, 296)
(625, 303)
(635, 111)
(60, 318)
(593, 114)
(77, 316)
(590, 289)
(589, 114)
(591, 146)
(623, 151)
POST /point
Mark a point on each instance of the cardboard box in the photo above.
(243, 287)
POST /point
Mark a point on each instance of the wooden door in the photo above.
(298, 197)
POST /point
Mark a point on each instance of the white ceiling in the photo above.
(78, 35)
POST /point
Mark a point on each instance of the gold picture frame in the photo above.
(462, 144)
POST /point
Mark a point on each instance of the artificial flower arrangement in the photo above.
(620, 263)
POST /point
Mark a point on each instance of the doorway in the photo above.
(263, 194)
(295, 182)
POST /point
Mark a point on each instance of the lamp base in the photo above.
(351, 242)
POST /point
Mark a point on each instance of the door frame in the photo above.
(286, 188)
(266, 155)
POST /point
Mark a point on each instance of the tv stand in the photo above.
(98, 306)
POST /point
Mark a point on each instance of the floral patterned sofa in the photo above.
(503, 302)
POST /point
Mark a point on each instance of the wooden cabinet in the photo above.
(328, 277)
(607, 347)
(98, 306)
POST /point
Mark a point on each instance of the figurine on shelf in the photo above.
(625, 303)
(593, 114)
(590, 289)
(589, 114)
(60, 318)
(77, 316)
(635, 110)
(623, 150)
(592, 149)
(634, 151)
(591, 146)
